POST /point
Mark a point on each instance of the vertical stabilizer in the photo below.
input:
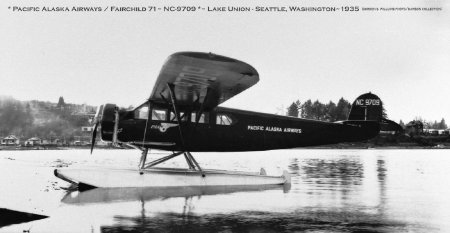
(367, 107)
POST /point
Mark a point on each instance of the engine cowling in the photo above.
(108, 122)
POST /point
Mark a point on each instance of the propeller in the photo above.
(97, 120)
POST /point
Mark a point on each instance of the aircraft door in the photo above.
(227, 138)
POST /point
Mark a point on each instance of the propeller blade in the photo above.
(94, 135)
(97, 119)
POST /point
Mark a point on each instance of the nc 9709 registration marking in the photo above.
(179, 8)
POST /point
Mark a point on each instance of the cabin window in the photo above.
(223, 119)
(141, 113)
(158, 114)
(203, 117)
(183, 116)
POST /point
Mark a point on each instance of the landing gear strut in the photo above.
(192, 163)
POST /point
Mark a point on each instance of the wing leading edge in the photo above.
(202, 80)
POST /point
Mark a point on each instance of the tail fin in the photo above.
(367, 107)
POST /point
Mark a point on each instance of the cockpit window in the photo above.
(158, 114)
(204, 117)
(141, 113)
(183, 116)
(223, 119)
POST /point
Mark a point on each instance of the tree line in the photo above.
(429, 124)
(436, 125)
(40, 119)
(319, 111)
(336, 112)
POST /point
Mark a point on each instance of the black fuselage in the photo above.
(226, 129)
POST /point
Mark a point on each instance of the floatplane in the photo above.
(182, 115)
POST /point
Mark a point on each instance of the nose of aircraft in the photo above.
(105, 117)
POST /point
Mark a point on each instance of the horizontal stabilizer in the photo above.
(388, 125)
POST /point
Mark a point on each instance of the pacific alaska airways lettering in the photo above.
(273, 129)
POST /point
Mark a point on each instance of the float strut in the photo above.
(163, 159)
(189, 162)
(143, 159)
(195, 162)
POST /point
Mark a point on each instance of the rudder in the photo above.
(367, 107)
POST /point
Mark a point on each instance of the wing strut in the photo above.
(202, 107)
(188, 156)
(192, 163)
(177, 115)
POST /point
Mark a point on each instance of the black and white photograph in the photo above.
(324, 116)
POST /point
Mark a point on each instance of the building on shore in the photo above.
(34, 141)
(10, 140)
(87, 129)
(414, 128)
(435, 132)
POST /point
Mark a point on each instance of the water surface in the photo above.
(331, 191)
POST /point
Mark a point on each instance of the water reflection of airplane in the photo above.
(109, 195)
(182, 115)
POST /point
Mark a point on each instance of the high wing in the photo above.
(202, 80)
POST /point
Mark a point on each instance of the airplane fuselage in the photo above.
(226, 129)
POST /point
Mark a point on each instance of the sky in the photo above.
(115, 57)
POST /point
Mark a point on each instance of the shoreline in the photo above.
(21, 148)
(333, 146)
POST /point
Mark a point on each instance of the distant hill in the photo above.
(43, 119)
